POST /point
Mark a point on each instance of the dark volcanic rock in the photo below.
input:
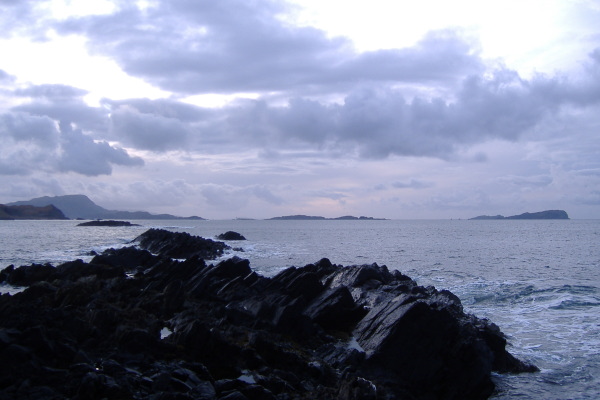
(230, 235)
(179, 244)
(107, 222)
(89, 330)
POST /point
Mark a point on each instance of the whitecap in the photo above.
(354, 345)
(10, 289)
(165, 333)
(246, 377)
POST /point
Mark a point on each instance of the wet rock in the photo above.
(88, 330)
(179, 244)
(27, 274)
(335, 309)
(128, 257)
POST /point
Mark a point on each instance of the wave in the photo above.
(571, 295)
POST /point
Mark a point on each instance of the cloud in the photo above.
(428, 100)
(234, 46)
(17, 17)
(80, 153)
(6, 77)
(527, 181)
(38, 143)
(235, 197)
(22, 127)
(52, 92)
(341, 122)
(371, 121)
(412, 184)
(148, 131)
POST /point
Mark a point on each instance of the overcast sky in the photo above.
(258, 108)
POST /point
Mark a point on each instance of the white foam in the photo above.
(5, 288)
(353, 344)
(165, 333)
(247, 378)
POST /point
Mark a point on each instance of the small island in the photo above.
(548, 214)
(319, 218)
(108, 222)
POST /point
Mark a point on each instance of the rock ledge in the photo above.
(131, 324)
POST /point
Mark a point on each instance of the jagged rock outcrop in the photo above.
(179, 244)
(131, 324)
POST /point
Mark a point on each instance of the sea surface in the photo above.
(538, 280)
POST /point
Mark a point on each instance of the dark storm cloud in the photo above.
(233, 46)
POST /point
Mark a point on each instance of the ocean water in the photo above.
(538, 280)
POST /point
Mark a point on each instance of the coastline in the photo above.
(236, 286)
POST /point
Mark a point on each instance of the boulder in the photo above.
(230, 235)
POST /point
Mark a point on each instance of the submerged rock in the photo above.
(93, 330)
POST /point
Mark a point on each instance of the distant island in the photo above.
(107, 222)
(78, 206)
(17, 212)
(319, 218)
(548, 214)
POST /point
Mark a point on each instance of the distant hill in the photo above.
(78, 206)
(11, 212)
(319, 218)
(548, 214)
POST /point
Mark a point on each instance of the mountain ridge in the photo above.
(320, 218)
(16, 212)
(548, 214)
(79, 206)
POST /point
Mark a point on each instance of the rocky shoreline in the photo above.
(155, 321)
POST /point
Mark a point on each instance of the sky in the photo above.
(257, 108)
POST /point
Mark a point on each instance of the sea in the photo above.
(538, 280)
